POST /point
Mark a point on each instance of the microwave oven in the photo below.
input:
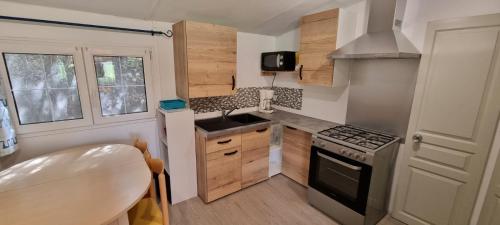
(278, 61)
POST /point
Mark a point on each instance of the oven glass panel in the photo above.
(270, 61)
(334, 176)
(340, 178)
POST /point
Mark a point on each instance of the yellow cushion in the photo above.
(146, 212)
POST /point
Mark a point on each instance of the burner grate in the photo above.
(357, 136)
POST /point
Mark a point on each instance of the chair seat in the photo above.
(146, 212)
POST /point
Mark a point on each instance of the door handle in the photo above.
(234, 83)
(300, 71)
(230, 153)
(344, 164)
(417, 138)
(224, 142)
(261, 130)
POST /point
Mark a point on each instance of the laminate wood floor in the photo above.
(277, 201)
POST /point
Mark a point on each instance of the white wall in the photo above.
(419, 13)
(250, 46)
(324, 102)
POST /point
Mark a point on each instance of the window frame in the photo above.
(145, 54)
(31, 47)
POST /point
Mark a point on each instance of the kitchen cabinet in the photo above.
(205, 59)
(223, 173)
(296, 153)
(218, 165)
(318, 37)
(255, 159)
(228, 163)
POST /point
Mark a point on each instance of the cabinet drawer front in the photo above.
(255, 139)
(223, 173)
(221, 143)
(255, 166)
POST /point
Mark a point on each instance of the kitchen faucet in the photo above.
(225, 113)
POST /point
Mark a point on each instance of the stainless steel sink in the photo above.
(216, 124)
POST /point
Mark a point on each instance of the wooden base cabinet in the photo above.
(255, 161)
(218, 165)
(228, 163)
(255, 166)
(223, 173)
(296, 153)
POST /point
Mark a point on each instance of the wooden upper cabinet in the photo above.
(205, 59)
(318, 37)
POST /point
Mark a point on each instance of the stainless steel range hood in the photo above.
(383, 39)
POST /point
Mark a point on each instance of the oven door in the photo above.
(345, 180)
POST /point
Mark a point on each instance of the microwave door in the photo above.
(271, 61)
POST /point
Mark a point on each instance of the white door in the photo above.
(454, 115)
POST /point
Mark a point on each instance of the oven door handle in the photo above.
(357, 168)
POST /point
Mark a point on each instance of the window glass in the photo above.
(44, 87)
(120, 80)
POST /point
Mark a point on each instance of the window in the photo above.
(53, 86)
(119, 80)
(44, 87)
(121, 86)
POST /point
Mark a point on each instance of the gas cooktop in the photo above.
(357, 136)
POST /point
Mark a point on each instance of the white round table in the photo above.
(86, 185)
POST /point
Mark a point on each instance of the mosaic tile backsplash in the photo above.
(246, 98)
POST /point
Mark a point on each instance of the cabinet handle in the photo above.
(261, 130)
(291, 128)
(234, 82)
(230, 153)
(224, 142)
(300, 71)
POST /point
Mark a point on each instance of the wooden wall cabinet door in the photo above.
(205, 59)
(318, 37)
(296, 154)
(255, 158)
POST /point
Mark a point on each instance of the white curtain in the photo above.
(8, 141)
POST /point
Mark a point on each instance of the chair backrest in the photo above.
(156, 167)
(141, 145)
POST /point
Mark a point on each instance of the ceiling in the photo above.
(271, 17)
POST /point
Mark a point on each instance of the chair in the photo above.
(147, 211)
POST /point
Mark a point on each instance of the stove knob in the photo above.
(343, 151)
(356, 156)
(362, 158)
(350, 154)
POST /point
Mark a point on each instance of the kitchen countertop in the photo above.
(305, 123)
